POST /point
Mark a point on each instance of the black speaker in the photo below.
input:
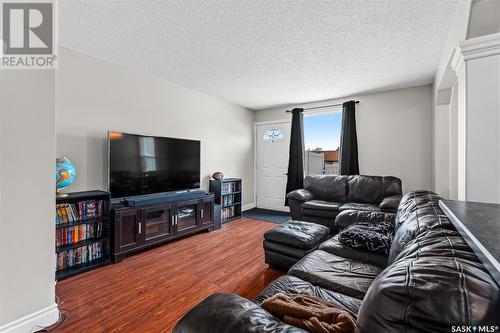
(160, 198)
(217, 217)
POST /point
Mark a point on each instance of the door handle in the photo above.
(140, 228)
(201, 213)
(173, 220)
(176, 219)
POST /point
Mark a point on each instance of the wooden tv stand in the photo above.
(143, 226)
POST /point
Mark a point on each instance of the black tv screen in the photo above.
(141, 165)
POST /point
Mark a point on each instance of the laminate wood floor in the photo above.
(151, 290)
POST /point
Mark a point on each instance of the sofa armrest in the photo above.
(230, 313)
(348, 217)
(390, 204)
(300, 195)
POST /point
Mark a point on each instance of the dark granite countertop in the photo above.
(479, 225)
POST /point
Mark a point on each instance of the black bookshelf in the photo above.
(81, 243)
(79, 222)
(227, 193)
(91, 221)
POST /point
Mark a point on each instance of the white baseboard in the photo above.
(248, 206)
(34, 321)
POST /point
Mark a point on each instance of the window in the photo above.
(273, 133)
(321, 141)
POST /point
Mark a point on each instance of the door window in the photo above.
(273, 134)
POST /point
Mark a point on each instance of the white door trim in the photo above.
(255, 124)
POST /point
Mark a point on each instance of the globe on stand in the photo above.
(65, 174)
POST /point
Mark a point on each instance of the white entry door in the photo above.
(273, 143)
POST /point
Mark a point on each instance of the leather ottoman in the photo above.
(289, 242)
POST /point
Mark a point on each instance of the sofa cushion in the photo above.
(299, 234)
(328, 221)
(320, 208)
(338, 274)
(369, 237)
(435, 282)
(360, 206)
(326, 214)
(365, 189)
(327, 187)
(392, 186)
(333, 246)
(415, 203)
(348, 217)
(321, 205)
(291, 285)
(390, 204)
(418, 212)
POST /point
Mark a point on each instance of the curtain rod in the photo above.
(323, 106)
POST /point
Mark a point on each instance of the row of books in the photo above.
(228, 212)
(72, 235)
(230, 199)
(82, 210)
(80, 255)
(230, 187)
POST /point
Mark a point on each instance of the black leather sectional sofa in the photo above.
(325, 196)
(431, 281)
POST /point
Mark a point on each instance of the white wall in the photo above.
(93, 96)
(472, 19)
(442, 150)
(443, 82)
(453, 130)
(456, 34)
(461, 135)
(484, 18)
(394, 133)
(482, 138)
(27, 197)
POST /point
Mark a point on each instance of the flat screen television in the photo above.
(142, 165)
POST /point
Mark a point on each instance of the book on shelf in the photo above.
(80, 255)
(77, 233)
(74, 212)
(230, 187)
(228, 212)
(229, 199)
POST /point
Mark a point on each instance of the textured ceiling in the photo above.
(260, 54)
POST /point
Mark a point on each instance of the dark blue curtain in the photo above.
(295, 176)
(349, 164)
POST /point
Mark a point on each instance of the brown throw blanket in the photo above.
(310, 313)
